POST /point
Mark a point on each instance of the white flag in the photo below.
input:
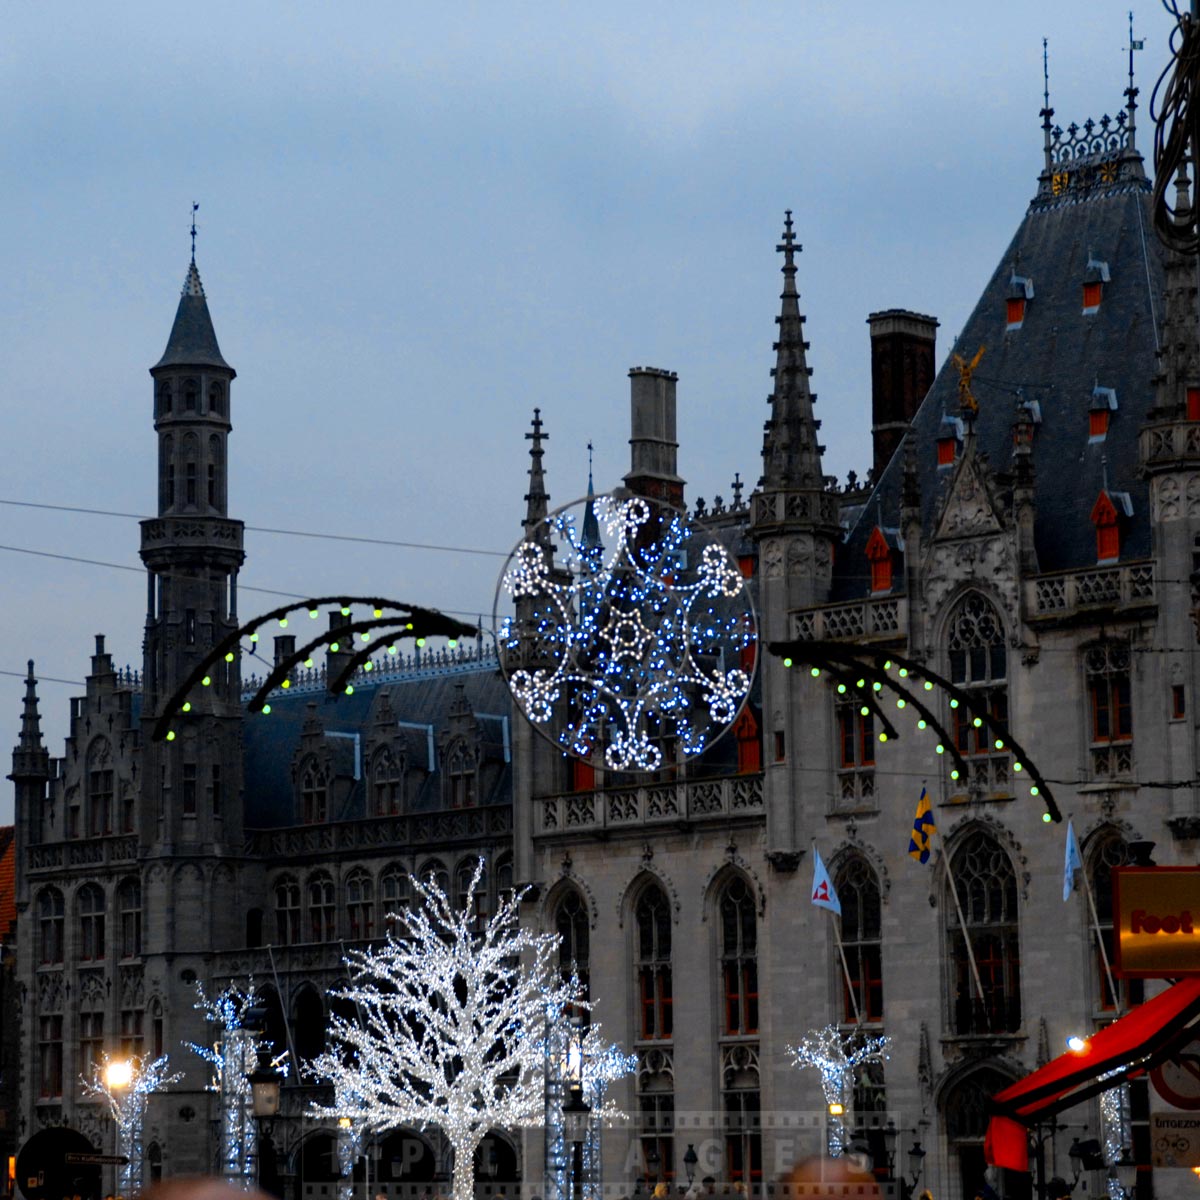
(1071, 861)
(824, 894)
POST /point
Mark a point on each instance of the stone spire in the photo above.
(791, 456)
(537, 500)
(193, 340)
(591, 527)
(31, 760)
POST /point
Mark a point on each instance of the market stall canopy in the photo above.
(1136, 1042)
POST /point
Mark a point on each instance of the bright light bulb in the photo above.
(1018, 767)
(266, 709)
(1047, 818)
(229, 656)
(187, 706)
(928, 686)
(119, 1073)
(953, 703)
(349, 689)
(379, 612)
(841, 689)
(940, 748)
(954, 774)
(170, 735)
(921, 724)
(333, 646)
(287, 683)
(815, 672)
(977, 722)
(283, 622)
(206, 681)
(1076, 1044)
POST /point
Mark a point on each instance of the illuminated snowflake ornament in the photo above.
(633, 636)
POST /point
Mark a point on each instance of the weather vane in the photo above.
(195, 206)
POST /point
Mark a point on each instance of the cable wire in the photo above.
(1176, 115)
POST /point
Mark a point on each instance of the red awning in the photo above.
(1136, 1042)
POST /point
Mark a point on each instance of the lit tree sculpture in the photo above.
(125, 1086)
(232, 1056)
(825, 1050)
(449, 1031)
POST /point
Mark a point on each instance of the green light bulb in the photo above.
(452, 643)
(1033, 791)
(283, 622)
(229, 656)
(977, 722)
(940, 748)
(287, 683)
(899, 703)
(349, 689)
(254, 637)
(187, 706)
(954, 774)
(887, 666)
(1047, 818)
(312, 612)
(953, 703)
(366, 637)
(877, 686)
(266, 709)
(379, 612)
(345, 612)
(368, 666)
(861, 683)
(170, 735)
(308, 662)
(420, 641)
(391, 650)
(883, 737)
(921, 723)
(333, 646)
(841, 689)
(787, 662)
(928, 686)
(864, 711)
(1018, 767)
(815, 672)
(999, 744)
(903, 672)
(206, 681)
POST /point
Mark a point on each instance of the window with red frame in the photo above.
(749, 742)
(978, 664)
(858, 890)
(1098, 423)
(947, 448)
(739, 958)
(1110, 699)
(583, 776)
(653, 921)
(1015, 311)
(879, 554)
(977, 739)
(856, 736)
(1091, 296)
(1108, 536)
(1193, 404)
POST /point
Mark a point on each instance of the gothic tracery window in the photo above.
(1110, 703)
(395, 891)
(1110, 851)
(858, 889)
(979, 665)
(360, 904)
(653, 960)
(287, 911)
(739, 958)
(129, 914)
(322, 911)
(91, 906)
(50, 926)
(571, 925)
(314, 793)
(387, 785)
(987, 895)
(460, 776)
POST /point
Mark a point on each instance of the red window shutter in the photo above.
(1015, 310)
(1098, 422)
(1091, 295)
(1108, 542)
(881, 575)
(583, 776)
(746, 565)
(1193, 404)
(946, 450)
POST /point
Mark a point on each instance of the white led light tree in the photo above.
(125, 1086)
(448, 1032)
(826, 1051)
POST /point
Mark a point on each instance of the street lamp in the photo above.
(653, 1161)
(916, 1160)
(118, 1075)
(576, 1111)
(690, 1160)
(264, 1083)
(1124, 1171)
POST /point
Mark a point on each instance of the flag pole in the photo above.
(962, 924)
(1112, 987)
(837, 937)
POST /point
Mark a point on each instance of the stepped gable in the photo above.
(1057, 358)
(271, 741)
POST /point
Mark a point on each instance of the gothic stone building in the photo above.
(1030, 535)
(1029, 532)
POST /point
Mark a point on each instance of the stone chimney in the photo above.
(902, 370)
(652, 444)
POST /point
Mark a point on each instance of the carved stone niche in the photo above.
(786, 862)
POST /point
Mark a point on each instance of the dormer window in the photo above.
(1107, 512)
(879, 554)
(1095, 276)
(1020, 292)
(1103, 405)
(949, 435)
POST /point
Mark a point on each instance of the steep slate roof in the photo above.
(271, 741)
(193, 341)
(1056, 358)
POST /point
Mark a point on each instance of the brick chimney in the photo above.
(652, 444)
(902, 370)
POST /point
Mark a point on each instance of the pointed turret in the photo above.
(31, 760)
(591, 526)
(537, 500)
(1178, 353)
(791, 456)
(193, 340)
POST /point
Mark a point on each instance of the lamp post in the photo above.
(653, 1162)
(576, 1112)
(916, 1160)
(264, 1083)
(690, 1160)
(118, 1075)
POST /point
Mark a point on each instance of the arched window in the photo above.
(460, 776)
(191, 395)
(979, 665)
(571, 924)
(216, 399)
(653, 960)
(434, 873)
(467, 901)
(308, 1022)
(1110, 701)
(322, 913)
(129, 913)
(504, 880)
(91, 1029)
(741, 1101)
(50, 1055)
(90, 906)
(215, 474)
(166, 473)
(99, 788)
(387, 785)
(739, 959)
(360, 904)
(164, 398)
(50, 926)
(656, 1110)
(858, 889)
(395, 892)
(191, 453)
(987, 894)
(965, 1112)
(1108, 851)
(154, 1157)
(314, 794)
(287, 911)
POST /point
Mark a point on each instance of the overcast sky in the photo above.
(417, 222)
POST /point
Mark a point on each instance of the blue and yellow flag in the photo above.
(922, 831)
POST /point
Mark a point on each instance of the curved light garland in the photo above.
(642, 630)
(863, 674)
(392, 620)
